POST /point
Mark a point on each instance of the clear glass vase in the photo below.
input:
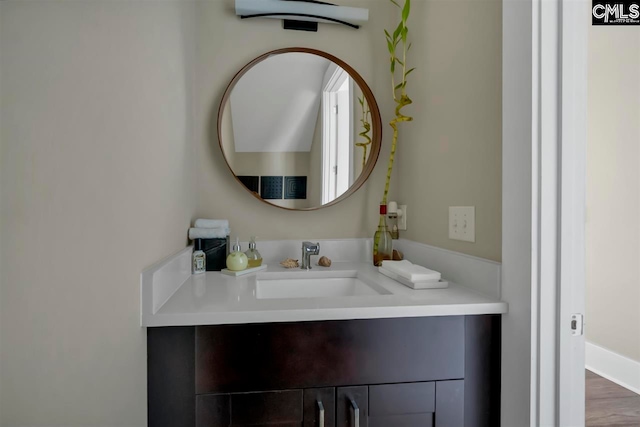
(382, 240)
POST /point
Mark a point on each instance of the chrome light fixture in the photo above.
(302, 14)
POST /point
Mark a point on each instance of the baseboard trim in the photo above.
(613, 366)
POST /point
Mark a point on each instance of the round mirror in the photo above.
(299, 128)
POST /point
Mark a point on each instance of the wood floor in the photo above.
(609, 404)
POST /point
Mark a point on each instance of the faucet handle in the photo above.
(309, 245)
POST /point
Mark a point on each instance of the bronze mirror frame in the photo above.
(376, 121)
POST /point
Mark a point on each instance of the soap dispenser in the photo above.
(237, 260)
(198, 258)
(253, 256)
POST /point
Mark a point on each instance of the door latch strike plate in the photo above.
(577, 324)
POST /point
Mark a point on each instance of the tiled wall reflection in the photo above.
(276, 187)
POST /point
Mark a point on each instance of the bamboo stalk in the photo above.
(399, 37)
(366, 112)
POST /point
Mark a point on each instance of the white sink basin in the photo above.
(315, 287)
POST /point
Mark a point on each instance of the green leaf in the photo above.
(391, 47)
(394, 2)
(397, 32)
(404, 32)
(408, 47)
(398, 86)
(400, 62)
(386, 33)
(405, 10)
(393, 66)
(408, 72)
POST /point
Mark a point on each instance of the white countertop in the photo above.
(213, 299)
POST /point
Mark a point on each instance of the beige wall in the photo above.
(1, 213)
(107, 154)
(613, 191)
(96, 185)
(451, 154)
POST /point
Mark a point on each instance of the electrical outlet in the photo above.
(402, 220)
(462, 223)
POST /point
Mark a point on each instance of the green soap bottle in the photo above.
(253, 256)
(237, 260)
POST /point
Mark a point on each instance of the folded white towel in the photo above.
(211, 223)
(208, 233)
(430, 284)
(412, 272)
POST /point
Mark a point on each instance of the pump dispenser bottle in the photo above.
(198, 258)
(237, 261)
(253, 256)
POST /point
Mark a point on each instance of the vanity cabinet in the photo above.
(403, 372)
(402, 405)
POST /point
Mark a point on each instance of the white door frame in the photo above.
(544, 138)
(519, 121)
(573, 155)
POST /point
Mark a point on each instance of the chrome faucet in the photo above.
(308, 249)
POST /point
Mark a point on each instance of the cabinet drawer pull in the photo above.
(355, 414)
(320, 414)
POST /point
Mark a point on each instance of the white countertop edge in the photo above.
(309, 315)
(167, 293)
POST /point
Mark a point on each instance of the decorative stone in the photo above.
(289, 263)
(324, 262)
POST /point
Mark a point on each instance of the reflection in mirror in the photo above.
(365, 137)
(295, 129)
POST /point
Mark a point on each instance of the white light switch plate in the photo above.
(402, 221)
(462, 223)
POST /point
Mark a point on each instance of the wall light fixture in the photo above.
(302, 15)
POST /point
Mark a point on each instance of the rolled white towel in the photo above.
(211, 223)
(412, 272)
(208, 233)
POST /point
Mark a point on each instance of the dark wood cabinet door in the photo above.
(352, 406)
(320, 407)
(402, 405)
(270, 408)
(171, 376)
(450, 404)
(213, 410)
